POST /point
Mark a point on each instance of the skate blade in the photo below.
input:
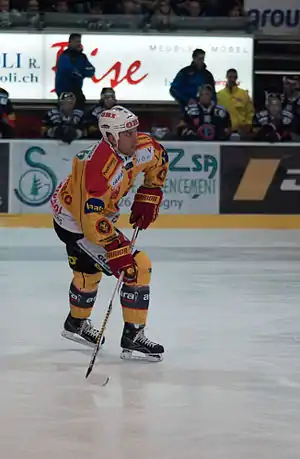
(127, 354)
(77, 339)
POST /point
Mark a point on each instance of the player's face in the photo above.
(67, 106)
(289, 86)
(205, 97)
(109, 101)
(127, 142)
(274, 107)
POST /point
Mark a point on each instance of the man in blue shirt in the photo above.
(72, 67)
(188, 79)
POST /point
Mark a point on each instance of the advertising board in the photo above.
(275, 17)
(4, 176)
(138, 67)
(37, 167)
(260, 179)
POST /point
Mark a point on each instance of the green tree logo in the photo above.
(37, 184)
(35, 187)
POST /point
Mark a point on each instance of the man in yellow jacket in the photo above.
(237, 102)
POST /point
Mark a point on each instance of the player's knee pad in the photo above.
(87, 282)
(83, 293)
(135, 303)
(143, 269)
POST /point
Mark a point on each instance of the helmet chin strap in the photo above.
(115, 147)
(116, 138)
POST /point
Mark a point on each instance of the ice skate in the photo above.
(81, 331)
(135, 345)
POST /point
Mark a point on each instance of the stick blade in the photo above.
(89, 371)
(92, 362)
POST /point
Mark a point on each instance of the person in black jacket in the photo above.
(204, 119)
(187, 81)
(107, 101)
(72, 67)
(7, 116)
(64, 122)
(273, 124)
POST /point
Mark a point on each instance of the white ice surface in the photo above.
(227, 309)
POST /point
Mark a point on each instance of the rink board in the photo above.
(209, 184)
(172, 221)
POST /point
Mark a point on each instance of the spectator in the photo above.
(96, 8)
(190, 8)
(194, 9)
(204, 120)
(238, 103)
(32, 6)
(130, 7)
(235, 11)
(7, 116)
(112, 7)
(163, 14)
(64, 122)
(220, 8)
(4, 6)
(61, 7)
(273, 124)
(164, 9)
(188, 79)
(72, 67)
(291, 99)
(146, 6)
(107, 100)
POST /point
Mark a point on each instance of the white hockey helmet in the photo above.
(115, 120)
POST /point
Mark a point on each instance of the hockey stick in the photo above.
(108, 312)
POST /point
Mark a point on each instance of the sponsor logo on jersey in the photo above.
(93, 205)
(109, 166)
(86, 155)
(65, 195)
(72, 260)
(117, 178)
(144, 156)
(67, 199)
(103, 226)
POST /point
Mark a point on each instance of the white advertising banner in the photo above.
(192, 185)
(275, 17)
(37, 167)
(138, 67)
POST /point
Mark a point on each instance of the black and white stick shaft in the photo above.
(108, 312)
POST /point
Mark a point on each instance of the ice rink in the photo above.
(226, 306)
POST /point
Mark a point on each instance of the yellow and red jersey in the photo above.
(87, 201)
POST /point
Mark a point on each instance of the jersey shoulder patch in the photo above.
(143, 140)
(100, 169)
(146, 140)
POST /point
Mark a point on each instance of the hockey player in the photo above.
(273, 124)
(64, 122)
(85, 209)
(203, 119)
(107, 101)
